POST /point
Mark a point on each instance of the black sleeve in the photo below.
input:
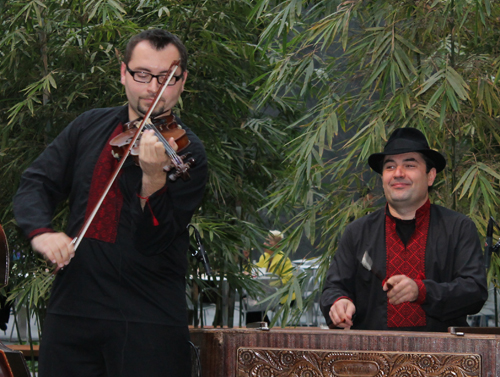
(340, 278)
(467, 291)
(46, 183)
(169, 210)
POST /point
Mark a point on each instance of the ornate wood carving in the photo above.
(270, 362)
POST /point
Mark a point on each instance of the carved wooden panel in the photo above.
(269, 362)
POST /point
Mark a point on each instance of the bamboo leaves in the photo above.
(480, 177)
(60, 59)
(34, 290)
(434, 66)
(108, 10)
(32, 95)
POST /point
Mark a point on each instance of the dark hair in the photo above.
(429, 164)
(159, 39)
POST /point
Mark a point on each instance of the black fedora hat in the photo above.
(405, 140)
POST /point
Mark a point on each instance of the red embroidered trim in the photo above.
(146, 198)
(39, 231)
(340, 298)
(105, 224)
(409, 261)
(422, 291)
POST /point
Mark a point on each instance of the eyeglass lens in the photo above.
(146, 78)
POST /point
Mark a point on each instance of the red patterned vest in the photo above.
(407, 260)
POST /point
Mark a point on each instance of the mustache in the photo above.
(149, 98)
(397, 181)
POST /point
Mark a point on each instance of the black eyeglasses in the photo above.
(145, 77)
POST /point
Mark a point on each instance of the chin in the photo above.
(399, 199)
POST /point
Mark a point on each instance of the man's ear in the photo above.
(431, 176)
(123, 73)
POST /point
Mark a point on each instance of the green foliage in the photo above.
(371, 67)
(61, 58)
(354, 70)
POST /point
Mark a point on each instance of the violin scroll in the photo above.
(183, 173)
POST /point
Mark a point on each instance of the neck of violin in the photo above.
(168, 149)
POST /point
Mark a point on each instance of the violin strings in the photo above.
(170, 151)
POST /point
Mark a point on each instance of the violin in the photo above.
(164, 127)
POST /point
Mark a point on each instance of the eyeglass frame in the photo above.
(157, 77)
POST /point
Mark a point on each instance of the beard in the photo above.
(157, 111)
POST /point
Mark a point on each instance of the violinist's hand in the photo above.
(55, 247)
(341, 313)
(404, 289)
(152, 159)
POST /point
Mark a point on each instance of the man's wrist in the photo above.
(152, 183)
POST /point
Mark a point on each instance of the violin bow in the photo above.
(76, 241)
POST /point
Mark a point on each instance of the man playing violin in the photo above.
(117, 305)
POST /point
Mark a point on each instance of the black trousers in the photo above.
(85, 347)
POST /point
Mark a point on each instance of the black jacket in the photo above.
(455, 274)
(141, 276)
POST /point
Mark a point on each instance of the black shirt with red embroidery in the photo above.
(132, 263)
(454, 282)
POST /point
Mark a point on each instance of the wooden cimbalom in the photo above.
(317, 363)
(311, 352)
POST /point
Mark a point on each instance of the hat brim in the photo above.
(375, 160)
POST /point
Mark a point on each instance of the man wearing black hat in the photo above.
(409, 266)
